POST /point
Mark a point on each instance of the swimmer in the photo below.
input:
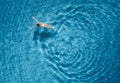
(40, 24)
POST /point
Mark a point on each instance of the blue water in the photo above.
(83, 46)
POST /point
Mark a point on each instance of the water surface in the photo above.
(83, 46)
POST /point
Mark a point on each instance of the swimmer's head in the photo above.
(38, 24)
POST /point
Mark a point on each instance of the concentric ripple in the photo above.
(82, 49)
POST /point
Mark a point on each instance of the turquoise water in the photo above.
(83, 46)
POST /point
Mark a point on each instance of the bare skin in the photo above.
(41, 24)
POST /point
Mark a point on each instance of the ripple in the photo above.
(79, 50)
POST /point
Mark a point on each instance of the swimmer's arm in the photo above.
(35, 19)
(32, 28)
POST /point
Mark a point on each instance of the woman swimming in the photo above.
(41, 24)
